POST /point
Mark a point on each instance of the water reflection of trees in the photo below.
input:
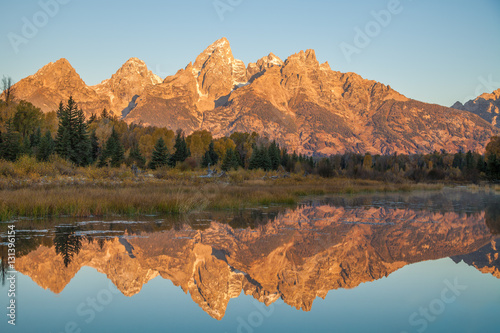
(492, 218)
(67, 242)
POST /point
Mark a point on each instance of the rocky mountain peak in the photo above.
(486, 105)
(61, 63)
(57, 74)
(54, 82)
(325, 66)
(124, 87)
(311, 57)
(134, 69)
(307, 58)
(263, 63)
(495, 95)
(220, 49)
(217, 71)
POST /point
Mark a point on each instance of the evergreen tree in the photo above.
(458, 160)
(81, 141)
(63, 142)
(260, 159)
(231, 160)
(136, 157)
(72, 140)
(469, 160)
(104, 114)
(266, 160)
(493, 167)
(36, 137)
(26, 147)
(11, 146)
(160, 155)
(254, 162)
(94, 147)
(285, 158)
(92, 118)
(274, 155)
(113, 153)
(181, 150)
(46, 147)
(210, 156)
(481, 164)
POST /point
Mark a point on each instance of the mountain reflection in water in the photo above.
(293, 254)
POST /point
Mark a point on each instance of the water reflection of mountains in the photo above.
(269, 253)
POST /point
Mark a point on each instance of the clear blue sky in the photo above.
(431, 50)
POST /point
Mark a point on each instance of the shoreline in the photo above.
(83, 197)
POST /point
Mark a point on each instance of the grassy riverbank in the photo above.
(82, 197)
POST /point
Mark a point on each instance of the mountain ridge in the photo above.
(486, 106)
(300, 103)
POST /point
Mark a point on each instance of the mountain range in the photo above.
(304, 105)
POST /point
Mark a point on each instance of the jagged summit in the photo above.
(486, 105)
(304, 105)
(495, 95)
(220, 49)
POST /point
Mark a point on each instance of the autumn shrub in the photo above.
(8, 170)
(63, 167)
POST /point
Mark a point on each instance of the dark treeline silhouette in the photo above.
(106, 141)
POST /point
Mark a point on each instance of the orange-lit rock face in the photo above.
(57, 81)
(298, 256)
(301, 103)
(486, 259)
(487, 106)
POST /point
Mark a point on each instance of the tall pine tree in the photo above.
(135, 156)
(72, 140)
(231, 160)
(82, 143)
(210, 157)
(10, 147)
(113, 154)
(274, 155)
(160, 155)
(181, 150)
(95, 149)
(45, 148)
(260, 159)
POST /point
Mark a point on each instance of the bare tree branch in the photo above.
(8, 90)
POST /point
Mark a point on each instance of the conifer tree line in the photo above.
(105, 141)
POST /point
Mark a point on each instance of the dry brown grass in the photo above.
(174, 194)
(57, 188)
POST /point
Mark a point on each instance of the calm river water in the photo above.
(417, 262)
